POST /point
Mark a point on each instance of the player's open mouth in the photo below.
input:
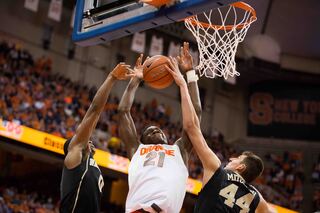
(156, 131)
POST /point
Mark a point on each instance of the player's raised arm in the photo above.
(127, 129)
(186, 66)
(79, 143)
(192, 126)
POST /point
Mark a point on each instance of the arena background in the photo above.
(273, 108)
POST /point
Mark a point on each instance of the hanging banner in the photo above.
(55, 10)
(31, 5)
(138, 42)
(284, 110)
(156, 47)
(174, 49)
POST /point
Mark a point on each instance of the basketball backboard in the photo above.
(98, 21)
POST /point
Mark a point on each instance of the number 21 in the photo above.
(151, 161)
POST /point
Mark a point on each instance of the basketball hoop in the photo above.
(218, 43)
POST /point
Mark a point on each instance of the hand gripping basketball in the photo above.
(173, 69)
(122, 71)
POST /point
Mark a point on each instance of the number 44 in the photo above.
(243, 202)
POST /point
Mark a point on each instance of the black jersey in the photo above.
(81, 187)
(227, 192)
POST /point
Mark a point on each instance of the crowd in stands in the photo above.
(316, 199)
(316, 171)
(285, 176)
(14, 200)
(25, 195)
(36, 97)
(316, 183)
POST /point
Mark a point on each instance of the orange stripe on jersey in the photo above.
(156, 148)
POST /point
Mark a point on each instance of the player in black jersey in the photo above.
(226, 189)
(82, 182)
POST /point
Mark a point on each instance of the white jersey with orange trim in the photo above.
(157, 175)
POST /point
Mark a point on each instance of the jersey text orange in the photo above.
(144, 151)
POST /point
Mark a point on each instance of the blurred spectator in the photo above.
(286, 177)
(316, 171)
(316, 200)
(13, 200)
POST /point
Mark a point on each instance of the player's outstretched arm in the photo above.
(186, 66)
(127, 129)
(79, 142)
(191, 125)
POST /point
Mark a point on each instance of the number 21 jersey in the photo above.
(227, 192)
(157, 175)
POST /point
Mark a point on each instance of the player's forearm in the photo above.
(195, 98)
(91, 117)
(127, 130)
(189, 116)
(129, 94)
(102, 95)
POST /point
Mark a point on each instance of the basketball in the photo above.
(155, 73)
(159, 3)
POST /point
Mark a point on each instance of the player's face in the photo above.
(235, 163)
(91, 147)
(154, 135)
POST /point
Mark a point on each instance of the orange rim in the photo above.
(240, 5)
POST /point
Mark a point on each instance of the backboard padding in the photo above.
(128, 17)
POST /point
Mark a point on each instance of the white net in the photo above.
(218, 42)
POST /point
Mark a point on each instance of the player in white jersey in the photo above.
(158, 171)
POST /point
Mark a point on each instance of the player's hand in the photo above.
(122, 71)
(173, 68)
(185, 58)
(138, 68)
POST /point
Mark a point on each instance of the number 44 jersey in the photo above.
(157, 175)
(227, 192)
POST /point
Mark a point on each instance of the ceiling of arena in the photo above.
(294, 24)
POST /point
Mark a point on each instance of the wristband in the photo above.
(192, 76)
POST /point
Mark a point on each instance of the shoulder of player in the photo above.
(72, 145)
(264, 207)
(73, 154)
(261, 199)
(212, 178)
(74, 160)
(255, 189)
